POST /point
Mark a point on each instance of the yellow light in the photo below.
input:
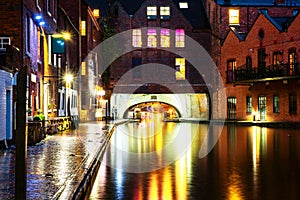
(96, 12)
(64, 35)
(68, 78)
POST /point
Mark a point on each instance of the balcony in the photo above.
(263, 73)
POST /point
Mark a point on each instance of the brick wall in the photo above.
(139, 20)
(273, 40)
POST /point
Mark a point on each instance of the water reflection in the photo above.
(246, 163)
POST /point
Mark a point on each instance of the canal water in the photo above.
(160, 160)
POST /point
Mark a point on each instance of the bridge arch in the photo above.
(186, 105)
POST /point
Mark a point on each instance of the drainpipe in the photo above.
(21, 132)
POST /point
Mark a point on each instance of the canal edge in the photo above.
(88, 177)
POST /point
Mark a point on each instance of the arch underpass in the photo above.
(180, 105)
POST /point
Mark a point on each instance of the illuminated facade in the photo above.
(156, 28)
(262, 71)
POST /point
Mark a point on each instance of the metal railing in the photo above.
(243, 73)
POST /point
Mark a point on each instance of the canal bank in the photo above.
(79, 186)
(61, 165)
(269, 124)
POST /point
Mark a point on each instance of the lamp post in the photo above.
(100, 92)
(68, 79)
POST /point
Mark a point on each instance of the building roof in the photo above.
(195, 13)
(257, 2)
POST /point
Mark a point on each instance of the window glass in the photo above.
(152, 40)
(137, 38)
(234, 15)
(165, 38)
(179, 38)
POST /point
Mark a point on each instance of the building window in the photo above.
(292, 103)
(179, 38)
(231, 67)
(96, 13)
(152, 40)
(136, 73)
(249, 105)
(151, 12)
(262, 105)
(83, 68)
(276, 106)
(165, 38)
(277, 58)
(292, 61)
(183, 5)
(165, 12)
(248, 63)
(180, 68)
(137, 38)
(231, 108)
(4, 42)
(234, 17)
(83, 28)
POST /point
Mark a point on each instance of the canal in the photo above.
(160, 160)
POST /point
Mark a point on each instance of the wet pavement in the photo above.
(57, 165)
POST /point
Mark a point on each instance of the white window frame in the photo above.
(2, 43)
(165, 12)
(151, 12)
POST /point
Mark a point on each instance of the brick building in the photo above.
(261, 72)
(156, 28)
(224, 14)
(22, 32)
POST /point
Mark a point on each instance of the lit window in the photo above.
(165, 38)
(136, 38)
(179, 38)
(4, 42)
(277, 58)
(83, 69)
(152, 41)
(249, 104)
(165, 12)
(151, 12)
(180, 68)
(234, 17)
(83, 28)
(183, 5)
(96, 13)
(276, 104)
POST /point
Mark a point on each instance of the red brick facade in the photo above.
(270, 78)
(124, 21)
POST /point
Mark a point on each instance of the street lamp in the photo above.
(100, 92)
(68, 79)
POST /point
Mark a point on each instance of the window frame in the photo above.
(3, 44)
(151, 12)
(165, 12)
(137, 38)
(234, 17)
(179, 38)
(180, 67)
(248, 104)
(151, 37)
(165, 40)
(276, 104)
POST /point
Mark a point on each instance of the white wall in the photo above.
(5, 86)
(189, 105)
